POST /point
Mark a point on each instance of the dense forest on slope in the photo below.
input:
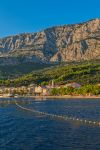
(87, 72)
(14, 71)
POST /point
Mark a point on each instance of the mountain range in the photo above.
(76, 42)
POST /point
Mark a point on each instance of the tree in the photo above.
(55, 91)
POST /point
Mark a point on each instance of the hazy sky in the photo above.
(19, 16)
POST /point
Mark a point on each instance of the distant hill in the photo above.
(87, 72)
(15, 71)
(57, 44)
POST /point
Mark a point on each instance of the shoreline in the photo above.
(66, 96)
(55, 97)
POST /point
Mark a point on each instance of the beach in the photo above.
(57, 97)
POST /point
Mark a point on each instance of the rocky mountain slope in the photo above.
(62, 43)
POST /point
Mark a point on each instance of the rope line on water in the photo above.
(60, 116)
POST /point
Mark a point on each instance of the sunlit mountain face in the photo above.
(61, 43)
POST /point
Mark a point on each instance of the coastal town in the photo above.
(69, 89)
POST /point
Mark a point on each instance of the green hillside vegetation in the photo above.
(84, 90)
(84, 73)
(14, 71)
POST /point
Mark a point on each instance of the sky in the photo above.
(25, 16)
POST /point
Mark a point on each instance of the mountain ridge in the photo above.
(66, 43)
(22, 33)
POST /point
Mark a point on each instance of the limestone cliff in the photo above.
(62, 43)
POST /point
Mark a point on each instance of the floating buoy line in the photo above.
(67, 118)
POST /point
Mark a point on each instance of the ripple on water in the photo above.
(22, 130)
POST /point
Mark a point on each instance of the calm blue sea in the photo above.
(25, 130)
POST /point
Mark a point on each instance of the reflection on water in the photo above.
(23, 130)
